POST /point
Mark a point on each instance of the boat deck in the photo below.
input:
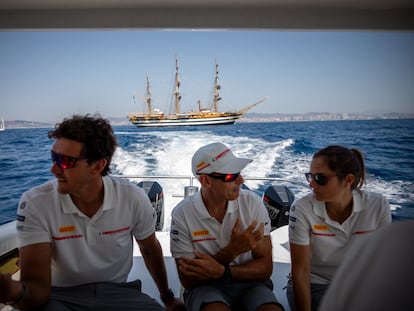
(279, 278)
(281, 268)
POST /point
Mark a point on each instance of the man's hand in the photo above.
(246, 240)
(175, 305)
(202, 267)
(240, 242)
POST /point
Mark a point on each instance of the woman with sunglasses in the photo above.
(325, 223)
(220, 238)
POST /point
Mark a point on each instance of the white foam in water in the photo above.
(128, 163)
(173, 157)
(396, 191)
(270, 159)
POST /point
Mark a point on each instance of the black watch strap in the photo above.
(227, 277)
(168, 297)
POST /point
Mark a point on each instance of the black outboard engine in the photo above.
(278, 200)
(154, 191)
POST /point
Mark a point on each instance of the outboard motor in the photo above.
(278, 200)
(154, 191)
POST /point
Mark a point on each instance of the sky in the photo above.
(48, 75)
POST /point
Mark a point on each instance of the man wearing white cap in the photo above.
(220, 238)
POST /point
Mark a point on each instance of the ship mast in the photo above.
(176, 91)
(148, 99)
(216, 95)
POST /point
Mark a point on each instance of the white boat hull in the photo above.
(186, 121)
(8, 238)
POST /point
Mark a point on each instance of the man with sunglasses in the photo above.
(76, 232)
(220, 238)
(324, 224)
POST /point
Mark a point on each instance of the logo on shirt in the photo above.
(201, 236)
(320, 227)
(362, 231)
(201, 233)
(66, 229)
(114, 231)
(321, 230)
(67, 233)
(23, 205)
(69, 237)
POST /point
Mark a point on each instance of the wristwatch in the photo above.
(227, 277)
(168, 297)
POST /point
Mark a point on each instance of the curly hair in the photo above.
(93, 132)
(344, 161)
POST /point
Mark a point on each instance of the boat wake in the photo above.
(160, 152)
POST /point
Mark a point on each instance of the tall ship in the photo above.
(203, 116)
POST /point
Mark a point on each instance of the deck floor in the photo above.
(281, 266)
(138, 271)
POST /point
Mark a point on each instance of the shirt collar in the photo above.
(202, 209)
(108, 203)
(320, 210)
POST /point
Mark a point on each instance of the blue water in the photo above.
(280, 150)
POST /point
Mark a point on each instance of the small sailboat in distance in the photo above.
(204, 116)
(2, 124)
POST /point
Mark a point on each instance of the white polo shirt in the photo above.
(192, 227)
(309, 224)
(86, 250)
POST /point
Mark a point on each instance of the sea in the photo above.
(281, 151)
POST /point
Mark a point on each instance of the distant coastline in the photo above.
(248, 117)
(321, 116)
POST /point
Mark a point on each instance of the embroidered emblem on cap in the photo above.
(220, 155)
(202, 165)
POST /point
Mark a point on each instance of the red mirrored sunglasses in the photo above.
(64, 161)
(225, 177)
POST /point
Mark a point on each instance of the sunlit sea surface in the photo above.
(278, 150)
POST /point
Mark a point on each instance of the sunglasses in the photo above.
(224, 177)
(64, 161)
(319, 178)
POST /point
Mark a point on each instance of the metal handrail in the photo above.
(192, 178)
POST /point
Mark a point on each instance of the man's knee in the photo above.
(271, 307)
(215, 306)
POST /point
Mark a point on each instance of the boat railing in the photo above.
(191, 179)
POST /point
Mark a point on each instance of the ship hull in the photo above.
(185, 121)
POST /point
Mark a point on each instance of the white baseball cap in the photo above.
(217, 158)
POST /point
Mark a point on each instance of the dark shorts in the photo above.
(243, 296)
(317, 292)
(102, 297)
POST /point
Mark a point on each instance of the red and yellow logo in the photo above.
(320, 227)
(67, 229)
(201, 233)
